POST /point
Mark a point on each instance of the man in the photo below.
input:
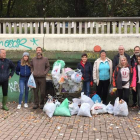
(40, 67)
(133, 64)
(7, 69)
(86, 69)
(121, 52)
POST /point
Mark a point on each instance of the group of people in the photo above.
(123, 73)
(39, 66)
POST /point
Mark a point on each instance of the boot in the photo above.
(4, 101)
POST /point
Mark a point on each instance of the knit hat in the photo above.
(25, 53)
(102, 51)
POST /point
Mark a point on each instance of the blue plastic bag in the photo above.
(96, 98)
(31, 82)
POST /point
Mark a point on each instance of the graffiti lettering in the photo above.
(16, 43)
(14, 86)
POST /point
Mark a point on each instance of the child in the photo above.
(23, 69)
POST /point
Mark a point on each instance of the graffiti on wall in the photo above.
(16, 43)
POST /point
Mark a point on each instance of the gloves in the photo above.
(82, 78)
(91, 83)
(95, 81)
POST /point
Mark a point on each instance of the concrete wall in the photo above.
(65, 42)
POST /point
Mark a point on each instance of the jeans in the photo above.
(86, 88)
(102, 89)
(23, 86)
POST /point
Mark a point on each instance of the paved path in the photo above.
(29, 124)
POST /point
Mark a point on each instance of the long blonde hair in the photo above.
(23, 62)
(120, 65)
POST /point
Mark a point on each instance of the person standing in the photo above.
(24, 71)
(102, 75)
(7, 69)
(121, 53)
(86, 69)
(122, 79)
(39, 67)
(133, 59)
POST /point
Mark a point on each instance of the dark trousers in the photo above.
(138, 91)
(102, 89)
(134, 96)
(40, 88)
(4, 87)
(124, 94)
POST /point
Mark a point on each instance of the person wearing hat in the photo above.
(24, 71)
(102, 74)
(7, 69)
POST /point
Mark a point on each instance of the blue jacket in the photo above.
(86, 71)
(23, 71)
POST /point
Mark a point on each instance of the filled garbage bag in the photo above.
(56, 70)
(63, 109)
(31, 82)
(59, 62)
(76, 76)
(98, 108)
(49, 108)
(86, 99)
(96, 98)
(84, 110)
(77, 100)
(110, 108)
(74, 108)
(120, 108)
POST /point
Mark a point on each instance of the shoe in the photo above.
(26, 105)
(139, 112)
(35, 106)
(19, 106)
(4, 101)
(134, 106)
(41, 106)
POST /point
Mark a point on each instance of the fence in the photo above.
(106, 25)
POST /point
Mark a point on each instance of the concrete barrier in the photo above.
(66, 42)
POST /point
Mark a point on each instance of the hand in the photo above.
(82, 78)
(9, 77)
(134, 88)
(95, 81)
(91, 83)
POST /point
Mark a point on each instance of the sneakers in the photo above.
(139, 112)
(26, 105)
(19, 106)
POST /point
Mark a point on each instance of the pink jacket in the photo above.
(134, 78)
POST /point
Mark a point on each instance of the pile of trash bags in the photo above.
(66, 80)
(84, 106)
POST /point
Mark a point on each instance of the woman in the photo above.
(23, 69)
(122, 78)
(86, 69)
(136, 79)
(102, 73)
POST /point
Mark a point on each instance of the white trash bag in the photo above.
(98, 108)
(120, 108)
(56, 70)
(110, 108)
(31, 82)
(76, 100)
(86, 99)
(74, 108)
(49, 108)
(84, 110)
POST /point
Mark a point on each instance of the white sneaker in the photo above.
(26, 105)
(19, 106)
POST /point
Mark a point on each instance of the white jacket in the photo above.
(96, 69)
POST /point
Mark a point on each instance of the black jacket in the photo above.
(116, 60)
(7, 68)
(133, 60)
(86, 71)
